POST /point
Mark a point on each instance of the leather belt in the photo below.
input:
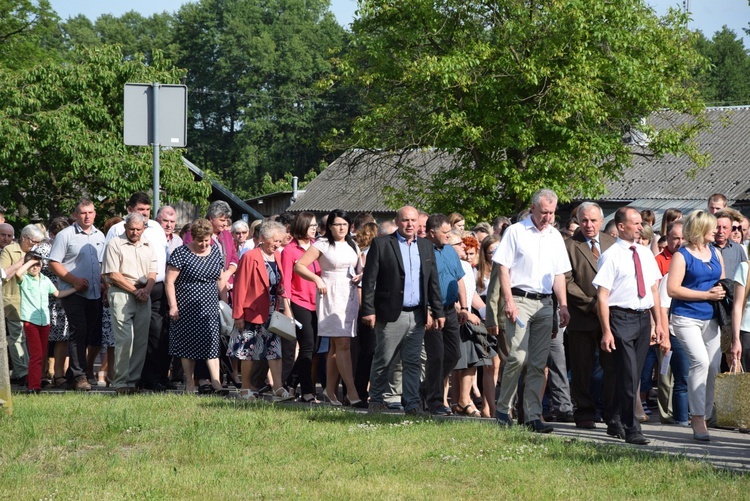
(630, 311)
(409, 309)
(529, 295)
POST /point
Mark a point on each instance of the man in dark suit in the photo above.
(584, 331)
(400, 282)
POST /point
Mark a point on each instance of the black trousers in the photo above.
(632, 334)
(85, 327)
(307, 338)
(156, 367)
(365, 350)
(582, 348)
(443, 351)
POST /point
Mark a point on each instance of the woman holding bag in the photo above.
(338, 300)
(693, 273)
(258, 292)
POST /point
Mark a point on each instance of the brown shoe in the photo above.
(80, 384)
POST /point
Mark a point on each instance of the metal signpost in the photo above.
(155, 115)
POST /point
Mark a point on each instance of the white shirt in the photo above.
(533, 257)
(173, 243)
(617, 274)
(248, 245)
(157, 239)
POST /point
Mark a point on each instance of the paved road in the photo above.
(727, 449)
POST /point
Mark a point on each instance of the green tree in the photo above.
(525, 93)
(254, 71)
(727, 82)
(28, 34)
(133, 32)
(61, 131)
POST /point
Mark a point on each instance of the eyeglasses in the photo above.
(736, 228)
(35, 242)
(313, 226)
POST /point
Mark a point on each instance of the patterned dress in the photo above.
(195, 334)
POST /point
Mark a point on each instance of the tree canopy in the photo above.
(254, 71)
(526, 94)
(61, 131)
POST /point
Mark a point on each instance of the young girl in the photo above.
(35, 291)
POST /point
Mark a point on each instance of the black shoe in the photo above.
(169, 385)
(415, 412)
(503, 419)
(616, 430)
(564, 417)
(441, 410)
(637, 438)
(586, 424)
(538, 426)
(266, 388)
(206, 389)
(157, 387)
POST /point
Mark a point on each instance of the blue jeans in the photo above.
(647, 374)
(680, 366)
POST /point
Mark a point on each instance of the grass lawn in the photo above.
(170, 447)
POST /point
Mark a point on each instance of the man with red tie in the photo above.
(627, 301)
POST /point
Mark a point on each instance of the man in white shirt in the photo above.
(627, 301)
(532, 264)
(154, 374)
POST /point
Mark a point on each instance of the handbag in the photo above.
(478, 335)
(282, 326)
(225, 316)
(732, 398)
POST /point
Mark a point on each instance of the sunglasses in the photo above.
(736, 228)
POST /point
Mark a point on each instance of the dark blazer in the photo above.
(581, 292)
(383, 280)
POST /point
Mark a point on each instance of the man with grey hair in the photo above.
(386, 228)
(167, 219)
(75, 258)
(130, 269)
(157, 357)
(532, 264)
(11, 259)
(584, 330)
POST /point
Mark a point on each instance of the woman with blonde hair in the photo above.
(694, 271)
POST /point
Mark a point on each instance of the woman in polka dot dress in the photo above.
(192, 285)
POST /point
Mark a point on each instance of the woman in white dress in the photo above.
(338, 300)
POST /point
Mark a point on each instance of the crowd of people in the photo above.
(514, 320)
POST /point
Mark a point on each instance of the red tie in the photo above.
(638, 273)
